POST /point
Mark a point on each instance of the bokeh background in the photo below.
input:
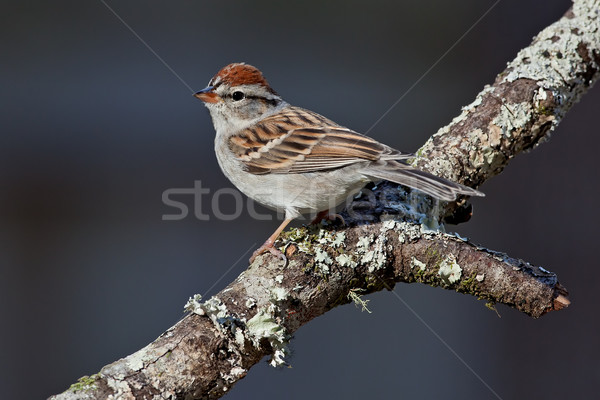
(93, 129)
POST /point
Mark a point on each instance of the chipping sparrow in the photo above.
(297, 161)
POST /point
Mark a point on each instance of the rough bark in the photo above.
(214, 346)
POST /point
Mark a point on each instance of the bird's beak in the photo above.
(207, 95)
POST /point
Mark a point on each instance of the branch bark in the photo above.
(215, 345)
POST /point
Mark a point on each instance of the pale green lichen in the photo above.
(357, 299)
(374, 252)
(263, 325)
(214, 309)
(387, 225)
(554, 60)
(85, 384)
(549, 59)
(298, 287)
(486, 154)
(450, 271)
(302, 237)
(364, 243)
(339, 239)
(250, 302)
(513, 117)
(312, 240)
(367, 258)
(331, 238)
(139, 359)
(235, 374)
(278, 294)
(321, 256)
(322, 260)
(491, 305)
(266, 324)
(416, 263)
(375, 259)
(411, 231)
(346, 260)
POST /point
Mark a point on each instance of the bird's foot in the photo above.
(268, 246)
(325, 215)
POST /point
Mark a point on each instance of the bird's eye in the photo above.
(237, 96)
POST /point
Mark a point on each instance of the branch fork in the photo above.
(219, 340)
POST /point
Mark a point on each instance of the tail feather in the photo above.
(430, 184)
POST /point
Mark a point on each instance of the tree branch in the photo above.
(214, 346)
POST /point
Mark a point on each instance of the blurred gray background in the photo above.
(94, 128)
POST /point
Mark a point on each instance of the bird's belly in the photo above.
(296, 194)
(305, 193)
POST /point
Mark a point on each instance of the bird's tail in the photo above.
(430, 184)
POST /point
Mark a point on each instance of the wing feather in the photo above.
(276, 145)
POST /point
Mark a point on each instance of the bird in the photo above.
(296, 161)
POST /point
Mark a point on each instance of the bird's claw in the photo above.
(325, 215)
(268, 246)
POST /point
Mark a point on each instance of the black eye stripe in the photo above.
(230, 96)
(261, 98)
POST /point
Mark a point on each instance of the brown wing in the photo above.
(277, 145)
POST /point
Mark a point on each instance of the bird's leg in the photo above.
(325, 215)
(268, 245)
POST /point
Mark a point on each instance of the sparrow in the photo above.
(294, 160)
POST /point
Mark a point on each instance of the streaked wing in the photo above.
(276, 144)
